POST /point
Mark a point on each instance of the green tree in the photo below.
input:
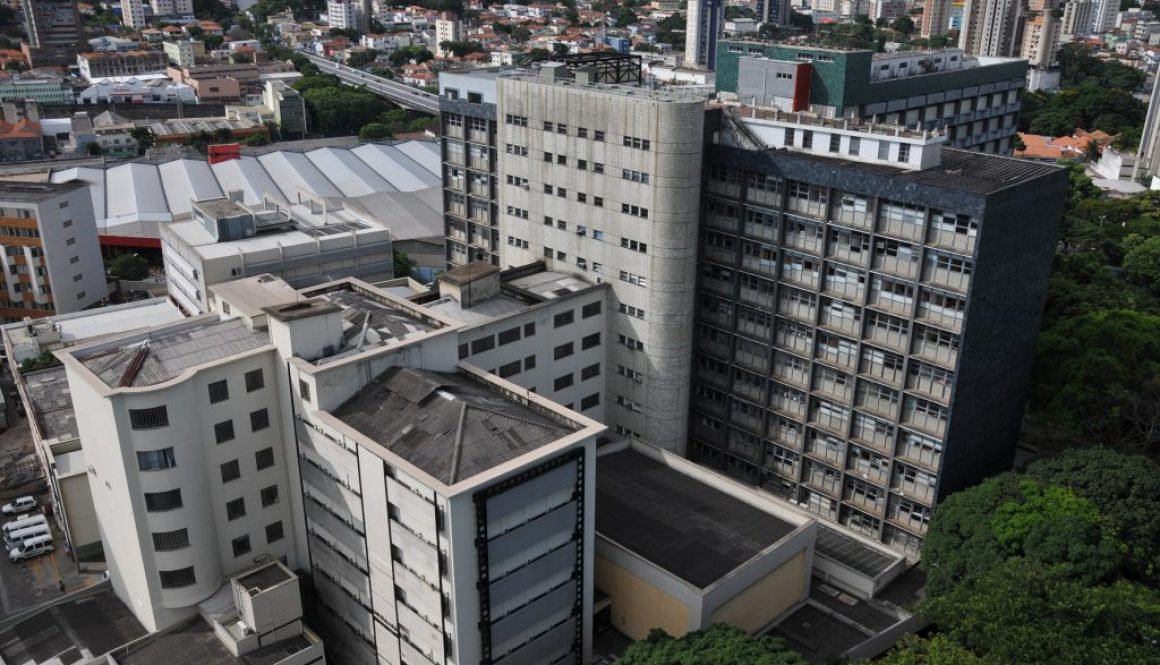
(625, 16)
(416, 54)
(130, 266)
(374, 130)
(256, 140)
(94, 149)
(43, 361)
(938, 650)
(717, 645)
(903, 25)
(213, 42)
(362, 58)
(1142, 261)
(342, 111)
(559, 49)
(460, 49)
(404, 265)
(143, 137)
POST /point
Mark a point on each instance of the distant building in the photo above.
(42, 89)
(448, 28)
(184, 52)
(172, 7)
(774, 12)
(110, 43)
(706, 21)
(288, 106)
(147, 89)
(99, 65)
(936, 16)
(20, 141)
(54, 29)
(991, 28)
(133, 14)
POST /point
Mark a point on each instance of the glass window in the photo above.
(153, 460)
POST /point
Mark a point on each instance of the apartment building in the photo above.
(868, 304)
(43, 90)
(974, 100)
(54, 30)
(706, 22)
(288, 106)
(448, 28)
(184, 52)
(109, 64)
(133, 14)
(470, 196)
(52, 257)
(172, 7)
(991, 28)
(936, 18)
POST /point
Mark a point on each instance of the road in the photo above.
(403, 95)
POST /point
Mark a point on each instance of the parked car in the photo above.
(31, 548)
(20, 505)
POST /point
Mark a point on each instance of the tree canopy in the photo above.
(131, 266)
(717, 645)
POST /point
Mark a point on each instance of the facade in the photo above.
(991, 28)
(184, 52)
(936, 18)
(448, 28)
(154, 89)
(52, 255)
(347, 15)
(172, 7)
(470, 195)
(774, 12)
(54, 31)
(706, 21)
(976, 102)
(133, 14)
(1077, 19)
(864, 337)
(288, 106)
(1040, 45)
(100, 65)
(43, 90)
(1104, 13)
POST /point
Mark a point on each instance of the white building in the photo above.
(172, 7)
(706, 21)
(145, 89)
(1104, 16)
(448, 28)
(133, 14)
(347, 15)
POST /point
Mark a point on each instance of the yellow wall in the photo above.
(82, 516)
(637, 606)
(773, 594)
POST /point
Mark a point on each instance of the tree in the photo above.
(143, 137)
(130, 266)
(717, 645)
(538, 54)
(938, 650)
(559, 49)
(625, 16)
(416, 54)
(460, 49)
(342, 110)
(212, 42)
(374, 130)
(257, 140)
(360, 59)
(404, 265)
(1142, 261)
(45, 360)
(223, 135)
(94, 149)
(903, 25)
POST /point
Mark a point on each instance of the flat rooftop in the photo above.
(28, 192)
(666, 95)
(164, 356)
(195, 643)
(51, 403)
(852, 553)
(93, 623)
(528, 290)
(247, 296)
(451, 426)
(832, 622)
(696, 532)
(265, 578)
(221, 208)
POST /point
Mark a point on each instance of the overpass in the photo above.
(403, 95)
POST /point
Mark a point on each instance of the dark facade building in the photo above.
(54, 31)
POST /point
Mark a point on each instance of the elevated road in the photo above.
(403, 95)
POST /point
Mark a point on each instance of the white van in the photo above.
(23, 523)
(31, 548)
(20, 535)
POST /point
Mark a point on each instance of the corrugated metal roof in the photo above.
(294, 172)
(349, 173)
(186, 181)
(403, 172)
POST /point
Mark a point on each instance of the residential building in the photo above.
(888, 9)
(54, 30)
(184, 52)
(41, 89)
(111, 43)
(51, 253)
(597, 193)
(172, 7)
(936, 18)
(448, 28)
(974, 100)
(133, 14)
(347, 15)
(1104, 14)
(100, 65)
(705, 23)
(1147, 162)
(1040, 45)
(867, 310)
(991, 28)
(288, 106)
(774, 12)
(1077, 19)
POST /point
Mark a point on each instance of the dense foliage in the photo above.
(130, 265)
(718, 645)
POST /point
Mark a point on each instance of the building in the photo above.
(888, 9)
(147, 89)
(1040, 45)
(288, 106)
(975, 100)
(1104, 14)
(54, 30)
(869, 353)
(52, 256)
(936, 18)
(596, 193)
(774, 12)
(184, 52)
(172, 7)
(41, 89)
(107, 64)
(21, 141)
(1077, 19)
(448, 28)
(133, 14)
(110, 43)
(347, 15)
(705, 23)
(991, 28)
(1147, 162)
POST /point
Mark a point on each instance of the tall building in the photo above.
(349, 15)
(1040, 45)
(936, 18)
(288, 106)
(1077, 19)
(991, 28)
(172, 7)
(54, 31)
(975, 101)
(448, 28)
(1104, 13)
(52, 257)
(774, 12)
(705, 23)
(133, 14)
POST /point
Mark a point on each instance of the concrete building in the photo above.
(991, 28)
(146, 89)
(888, 9)
(111, 43)
(1104, 14)
(974, 100)
(288, 106)
(705, 23)
(1147, 162)
(52, 258)
(54, 30)
(41, 89)
(936, 18)
(774, 12)
(133, 14)
(1077, 19)
(172, 7)
(448, 28)
(347, 15)
(865, 332)
(108, 64)
(1040, 45)
(184, 52)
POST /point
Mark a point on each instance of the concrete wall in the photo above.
(637, 605)
(757, 606)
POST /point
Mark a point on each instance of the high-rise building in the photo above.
(936, 18)
(52, 257)
(349, 15)
(448, 28)
(133, 14)
(54, 31)
(774, 12)
(1040, 45)
(172, 7)
(705, 22)
(991, 28)
(1104, 13)
(1077, 19)
(975, 101)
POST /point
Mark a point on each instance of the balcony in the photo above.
(854, 213)
(754, 329)
(758, 265)
(864, 503)
(718, 348)
(760, 231)
(714, 434)
(791, 403)
(961, 241)
(918, 486)
(717, 284)
(824, 480)
(931, 420)
(948, 316)
(750, 387)
(853, 251)
(833, 385)
(878, 405)
(820, 449)
(852, 289)
(707, 374)
(791, 338)
(723, 255)
(757, 297)
(936, 387)
(892, 297)
(901, 265)
(900, 229)
(882, 334)
(785, 433)
(717, 313)
(950, 279)
(844, 323)
(941, 353)
(748, 356)
(801, 310)
(795, 273)
(808, 240)
(747, 417)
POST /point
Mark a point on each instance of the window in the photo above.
(561, 128)
(581, 197)
(255, 380)
(582, 164)
(464, 351)
(589, 341)
(259, 420)
(510, 369)
(157, 416)
(562, 225)
(562, 160)
(589, 372)
(224, 431)
(563, 318)
(563, 382)
(166, 541)
(236, 509)
(904, 152)
(807, 139)
(71, 241)
(75, 259)
(598, 201)
(635, 211)
(597, 167)
(634, 245)
(548, 157)
(175, 579)
(509, 336)
(883, 150)
(590, 401)
(582, 132)
(634, 344)
(789, 136)
(561, 192)
(590, 310)
(156, 502)
(231, 470)
(633, 278)
(529, 329)
(634, 312)
(274, 532)
(854, 146)
(628, 404)
(269, 495)
(634, 176)
(219, 391)
(304, 389)
(638, 144)
(549, 126)
(483, 344)
(547, 188)
(264, 458)
(240, 545)
(529, 363)
(517, 120)
(154, 460)
(598, 135)
(636, 376)
(835, 142)
(562, 351)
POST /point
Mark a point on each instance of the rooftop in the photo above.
(28, 192)
(266, 577)
(369, 321)
(451, 426)
(677, 522)
(221, 208)
(195, 643)
(51, 403)
(88, 623)
(164, 356)
(851, 553)
(247, 296)
(468, 272)
(667, 95)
